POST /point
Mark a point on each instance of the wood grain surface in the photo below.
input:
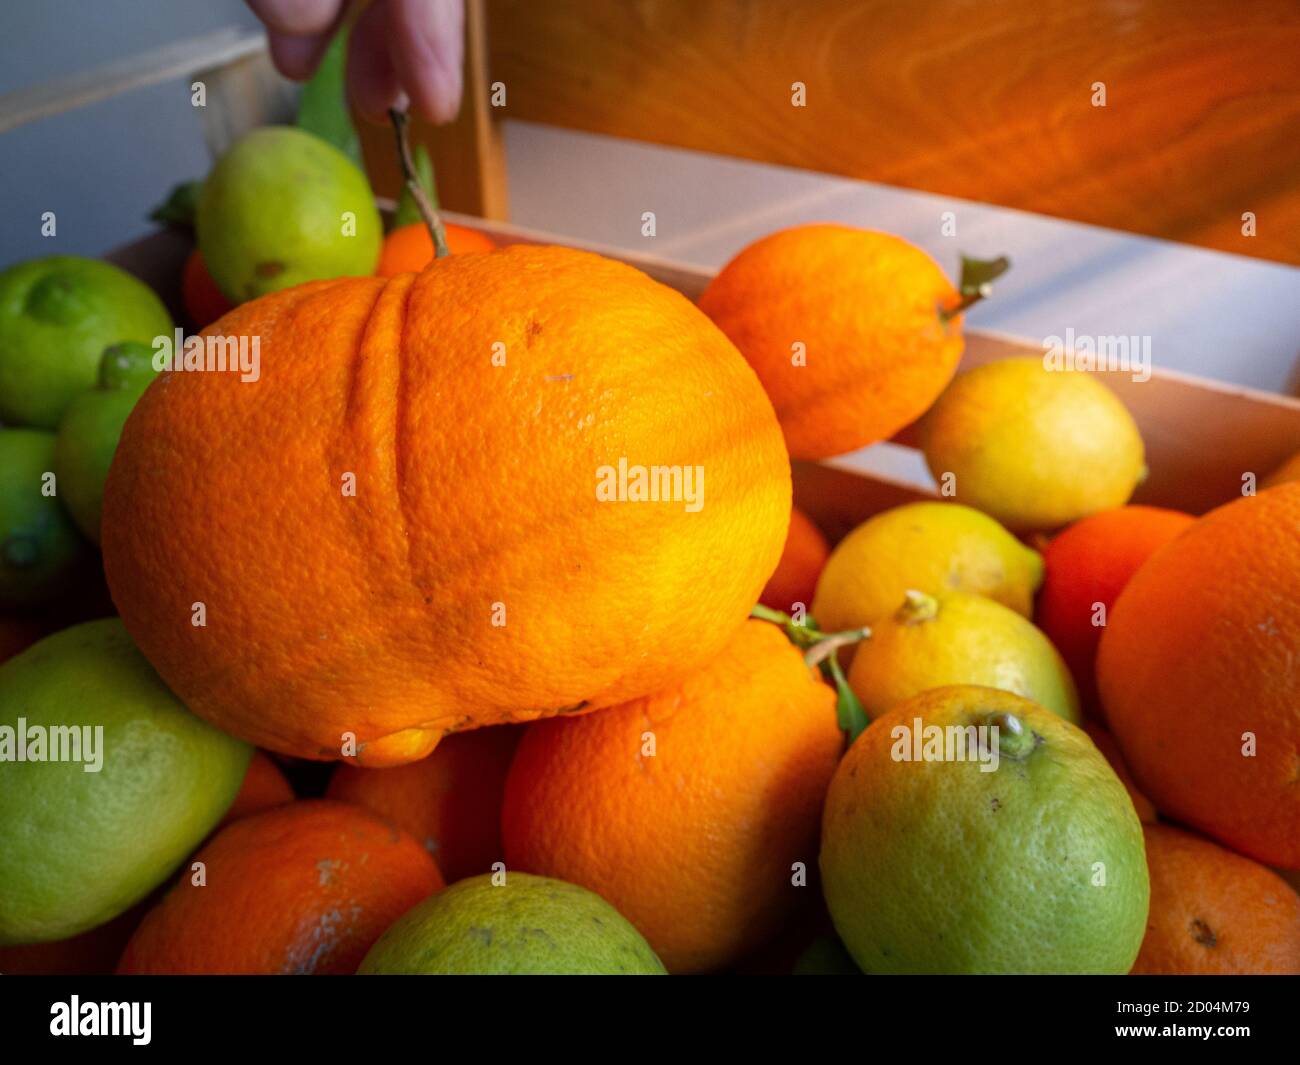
(985, 101)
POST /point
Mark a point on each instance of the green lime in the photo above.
(282, 207)
(950, 850)
(40, 551)
(91, 427)
(138, 784)
(528, 925)
(56, 317)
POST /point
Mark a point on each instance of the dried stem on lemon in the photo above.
(977, 277)
(428, 212)
(819, 650)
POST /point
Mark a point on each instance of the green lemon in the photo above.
(529, 925)
(932, 547)
(282, 207)
(930, 642)
(83, 840)
(826, 956)
(56, 317)
(40, 551)
(91, 427)
(938, 857)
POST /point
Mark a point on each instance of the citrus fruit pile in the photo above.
(476, 631)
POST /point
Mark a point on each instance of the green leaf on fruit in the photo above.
(852, 716)
(178, 210)
(323, 106)
(977, 274)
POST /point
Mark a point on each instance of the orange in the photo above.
(1215, 912)
(843, 327)
(304, 888)
(443, 512)
(1198, 676)
(693, 811)
(264, 787)
(450, 801)
(1284, 474)
(802, 559)
(1105, 743)
(1087, 566)
(204, 301)
(409, 249)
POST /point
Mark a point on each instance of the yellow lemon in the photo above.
(959, 639)
(1033, 447)
(931, 547)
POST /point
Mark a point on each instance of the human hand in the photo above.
(401, 52)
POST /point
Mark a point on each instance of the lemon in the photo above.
(959, 639)
(281, 207)
(57, 316)
(931, 864)
(528, 925)
(1033, 447)
(86, 837)
(931, 547)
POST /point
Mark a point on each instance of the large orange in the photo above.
(687, 810)
(1215, 912)
(450, 801)
(802, 560)
(409, 249)
(304, 888)
(1089, 564)
(843, 326)
(1199, 672)
(435, 508)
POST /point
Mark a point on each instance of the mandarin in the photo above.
(409, 249)
(802, 559)
(844, 328)
(306, 888)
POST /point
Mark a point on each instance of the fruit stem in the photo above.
(977, 277)
(917, 607)
(431, 217)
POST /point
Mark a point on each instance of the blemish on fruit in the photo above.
(1203, 933)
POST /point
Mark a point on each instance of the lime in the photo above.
(959, 639)
(40, 551)
(138, 783)
(56, 317)
(528, 925)
(1034, 447)
(932, 547)
(282, 207)
(91, 427)
(938, 857)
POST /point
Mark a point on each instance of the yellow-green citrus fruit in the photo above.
(935, 548)
(936, 858)
(281, 207)
(57, 316)
(931, 642)
(526, 925)
(138, 783)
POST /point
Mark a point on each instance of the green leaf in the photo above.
(407, 210)
(852, 717)
(179, 208)
(323, 106)
(976, 273)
